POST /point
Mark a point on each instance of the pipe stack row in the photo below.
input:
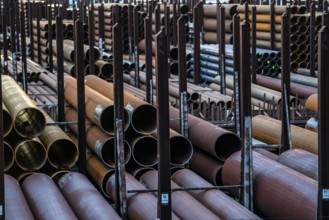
(210, 23)
(33, 142)
(68, 31)
(108, 24)
(71, 197)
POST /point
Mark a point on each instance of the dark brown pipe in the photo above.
(106, 69)
(141, 205)
(213, 139)
(211, 10)
(173, 50)
(51, 171)
(183, 204)
(211, 25)
(206, 166)
(288, 189)
(28, 119)
(266, 153)
(217, 201)
(84, 198)
(38, 188)
(143, 118)
(301, 161)
(16, 206)
(136, 170)
(211, 38)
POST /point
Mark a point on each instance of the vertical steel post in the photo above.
(325, 5)
(323, 126)
(39, 32)
(236, 57)
(79, 75)
(148, 59)
(2, 161)
(253, 45)
(245, 103)
(320, 5)
(312, 41)
(13, 38)
(101, 30)
(157, 18)
(136, 39)
(325, 19)
(196, 45)
(285, 83)
(31, 18)
(174, 25)
(130, 31)
(164, 187)
(91, 31)
(272, 26)
(17, 21)
(23, 43)
(50, 38)
(120, 183)
(183, 108)
(60, 67)
(221, 39)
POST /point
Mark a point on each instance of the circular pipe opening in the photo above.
(62, 153)
(106, 71)
(143, 119)
(181, 150)
(108, 152)
(29, 122)
(7, 123)
(226, 145)
(107, 120)
(145, 151)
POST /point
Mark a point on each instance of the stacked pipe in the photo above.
(68, 31)
(299, 29)
(123, 20)
(34, 146)
(210, 23)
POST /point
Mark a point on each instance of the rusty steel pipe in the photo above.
(68, 52)
(210, 10)
(211, 38)
(141, 205)
(16, 206)
(100, 143)
(302, 161)
(213, 139)
(9, 156)
(86, 70)
(262, 18)
(85, 50)
(266, 153)
(99, 109)
(268, 130)
(211, 25)
(136, 170)
(61, 150)
(207, 166)
(38, 188)
(106, 69)
(173, 50)
(7, 120)
(99, 173)
(288, 189)
(69, 67)
(217, 201)
(312, 103)
(143, 117)
(28, 120)
(183, 204)
(265, 9)
(53, 172)
(84, 198)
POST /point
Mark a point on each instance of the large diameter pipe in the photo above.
(210, 10)
(208, 167)
(301, 161)
(99, 109)
(140, 205)
(183, 204)
(217, 201)
(61, 150)
(38, 188)
(16, 207)
(99, 142)
(211, 138)
(7, 120)
(28, 119)
(86, 49)
(268, 130)
(9, 156)
(143, 117)
(288, 189)
(312, 103)
(84, 198)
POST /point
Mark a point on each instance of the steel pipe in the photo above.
(268, 130)
(211, 10)
(9, 156)
(16, 206)
(183, 204)
(143, 117)
(38, 188)
(312, 103)
(217, 201)
(213, 139)
(266, 153)
(84, 198)
(7, 120)
(85, 50)
(106, 69)
(28, 119)
(288, 189)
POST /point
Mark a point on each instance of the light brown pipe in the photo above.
(268, 130)
(183, 204)
(7, 120)
(312, 103)
(211, 25)
(302, 161)
(90, 205)
(173, 50)
(206, 166)
(266, 9)
(224, 206)
(99, 109)
(144, 114)
(141, 205)
(211, 37)
(97, 70)
(43, 34)
(106, 69)
(136, 170)
(288, 189)
(16, 206)
(68, 52)
(85, 50)
(61, 151)
(266, 153)
(69, 67)
(210, 10)
(213, 139)
(28, 119)
(100, 143)
(38, 188)
(262, 18)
